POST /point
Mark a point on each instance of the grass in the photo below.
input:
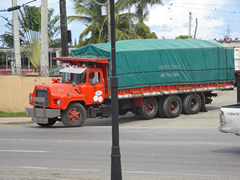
(18, 114)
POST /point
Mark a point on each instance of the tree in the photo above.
(7, 37)
(89, 13)
(144, 31)
(140, 7)
(29, 32)
(182, 37)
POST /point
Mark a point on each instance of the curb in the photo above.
(15, 120)
(17, 123)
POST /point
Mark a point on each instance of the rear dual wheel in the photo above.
(171, 107)
(191, 104)
(149, 108)
(160, 107)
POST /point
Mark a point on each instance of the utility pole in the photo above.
(130, 22)
(195, 32)
(109, 21)
(44, 60)
(63, 23)
(228, 36)
(189, 28)
(116, 170)
(17, 53)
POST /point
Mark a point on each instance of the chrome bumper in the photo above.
(47, 113)
(41, 115)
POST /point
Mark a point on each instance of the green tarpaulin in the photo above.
(166, 61)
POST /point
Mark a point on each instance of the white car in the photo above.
(230, 119)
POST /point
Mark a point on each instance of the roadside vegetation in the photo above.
(128, 25)
(30, 32)
(18, 114)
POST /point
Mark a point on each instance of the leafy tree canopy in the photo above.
(144, 31)
(182, 37)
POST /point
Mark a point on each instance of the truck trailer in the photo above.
(155, 77)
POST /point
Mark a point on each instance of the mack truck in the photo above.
(161, 78)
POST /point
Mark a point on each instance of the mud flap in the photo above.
(203, 107)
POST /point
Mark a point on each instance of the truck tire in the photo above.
(160, 107)
(51, 121)
(172, 106)
(149, 108)
(191, 104)
(74, 116)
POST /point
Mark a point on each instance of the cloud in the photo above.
(170, 21)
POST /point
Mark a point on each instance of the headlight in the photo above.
(222, 118)
(30, 97)
(58, 102)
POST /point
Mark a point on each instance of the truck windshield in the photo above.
(72, 77)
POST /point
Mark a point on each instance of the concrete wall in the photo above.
(14, 91)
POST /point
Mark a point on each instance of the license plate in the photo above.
(40, 120)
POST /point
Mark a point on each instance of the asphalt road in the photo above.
(187, 147)
(29, 152)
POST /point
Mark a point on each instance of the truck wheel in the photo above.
(74, 116)
(51, 121)
(160, 107)
(172, 106)
(149, 108)
(192, 104)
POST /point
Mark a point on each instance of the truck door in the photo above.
(96, 87)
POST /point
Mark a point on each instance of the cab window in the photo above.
(94, 78)
(72, 77)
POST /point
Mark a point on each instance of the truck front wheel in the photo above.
(51, 121)
(74, 116)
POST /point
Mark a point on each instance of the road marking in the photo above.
(27, 167)
(141, 172)
(92, 170)
(23, 151)
(44, 168)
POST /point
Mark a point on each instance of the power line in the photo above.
(16, 7)
(10, 13)
(221, 19)
(215, 10)
(208, 4)
(48, 4)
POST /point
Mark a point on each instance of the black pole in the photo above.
(238, 89)
(116, 172)
(63, 24)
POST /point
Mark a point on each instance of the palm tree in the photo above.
(141, 8)
(29, 19)
(89, 13)
(29, 32)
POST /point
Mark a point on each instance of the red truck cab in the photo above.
(81, 86)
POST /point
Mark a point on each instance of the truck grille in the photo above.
(42, 93)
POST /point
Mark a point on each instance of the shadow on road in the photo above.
(231, 150)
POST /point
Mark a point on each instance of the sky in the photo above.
(216, 18)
